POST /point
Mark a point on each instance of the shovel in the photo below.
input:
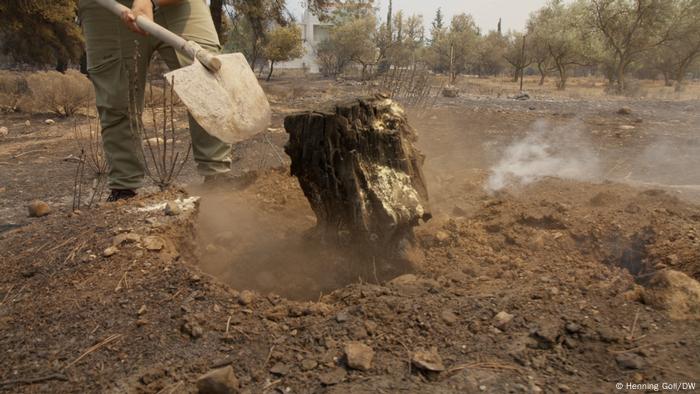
(221, 92)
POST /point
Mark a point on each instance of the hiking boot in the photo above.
(117, 195)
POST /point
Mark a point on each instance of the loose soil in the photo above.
(569, 260)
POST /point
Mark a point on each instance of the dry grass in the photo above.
(14, 91)
(577, 88)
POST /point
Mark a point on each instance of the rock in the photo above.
(449, 317)
(218, 381)
(333, 377)
(109, 252)
(428, 360)
(627, 127)
(359, 356)
(371, 327)
(564, 388)
(522, 96)
(4, 131)
(624, 111)
(192, 329)
(128, 238)
(153, 243)
(674, 292)
(308, 364)
(172, 209)
(629, 361)
(450, 91)
(246, 297)
(49, 122)
(153, 143)
(38, 208)
(27, 123)
(342, 317)
(502, 319)
(142, 310)
(442, 236)
(572, 328)
(280, 369)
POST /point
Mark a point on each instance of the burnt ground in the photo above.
(572, 262)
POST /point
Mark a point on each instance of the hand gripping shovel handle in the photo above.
(188, 48)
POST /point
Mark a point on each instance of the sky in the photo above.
(485, 12)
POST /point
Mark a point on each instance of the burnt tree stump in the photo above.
(357, 165)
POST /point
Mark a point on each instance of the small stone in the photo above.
(450, 91)
(442, 236)
(333, 377)
(280, 369)
(142, 310)
(502, 319)
(153, 243)
(572, 328)
(172, 209)
(4, 131)
(49, 122)
(246, 297)
(193, 329)
(111, 251)
(629, 361)
(359, 356)
(570, 343)
(218, 381)
(308, 364)
(428, 360)
(371, 327)
(126, 238)
(624, 111)
(38, 208)
(449, 317)
(564, 388)
(342, 317)
(27, 123)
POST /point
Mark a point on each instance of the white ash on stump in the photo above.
(357, 165)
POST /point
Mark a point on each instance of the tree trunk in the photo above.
(680, 76)
(562, 77)
(667, 78)
(516, 75)
(361, 173)
(543, 73)
(216, 9)
(272, 67)
(620, 74)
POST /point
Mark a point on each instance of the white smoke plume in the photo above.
(546, 151)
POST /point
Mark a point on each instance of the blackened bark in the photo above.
(358, 167)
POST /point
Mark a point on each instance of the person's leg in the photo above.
(110, 53)
(191, 19)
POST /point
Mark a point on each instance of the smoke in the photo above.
(546, 151)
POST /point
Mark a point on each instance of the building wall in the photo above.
(313, 32)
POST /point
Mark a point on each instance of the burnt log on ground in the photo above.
(357, 165)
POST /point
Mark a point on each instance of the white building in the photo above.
(313, 32)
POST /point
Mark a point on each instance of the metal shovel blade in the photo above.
(228, 104)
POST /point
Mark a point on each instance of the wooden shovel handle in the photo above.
(187, 48)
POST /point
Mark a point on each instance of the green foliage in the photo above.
(453, 50)
(41, 32)
(350, 41)
(283, 43)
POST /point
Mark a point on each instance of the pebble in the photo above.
(442, 236)
(308, 364)
(38, 208)
(342, 317)
(333, 377)
(573, 328)
(564, 388)
(359, 356)
(192, 329)
(111, 251)
(126, 238)
(428, 360)
(246, 297)
(629, 361)
(502, 319)
(280, 369)
(4, 131)
(218, 381)
(449, 317)
(153, 243)
(172, 209)
(49, 122)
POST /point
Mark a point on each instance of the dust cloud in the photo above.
(546, 151)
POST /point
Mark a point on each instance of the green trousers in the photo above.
(110, 61)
